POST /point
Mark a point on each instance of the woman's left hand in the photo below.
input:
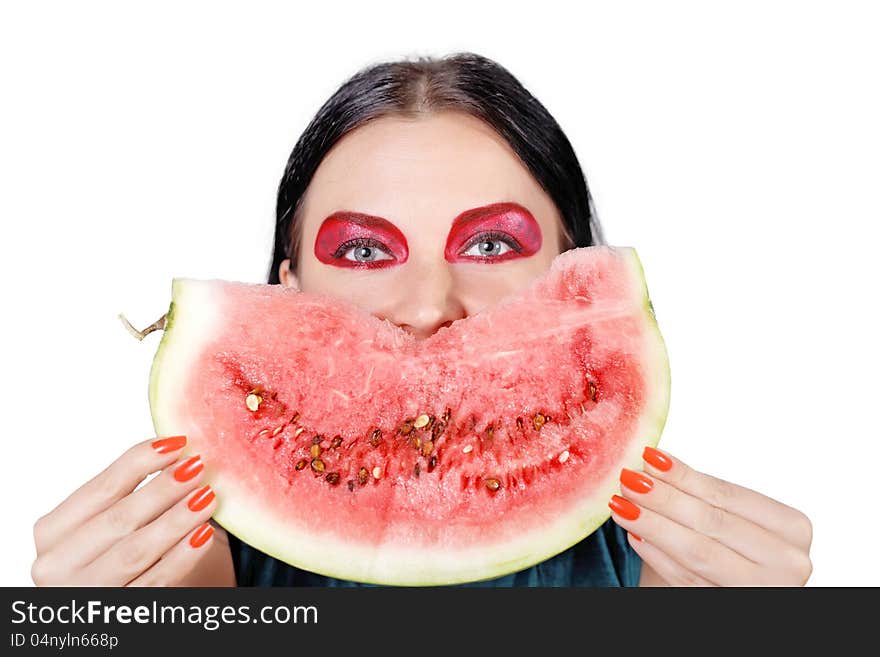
(697, 530)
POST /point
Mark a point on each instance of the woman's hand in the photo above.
(691, 529)
(106, 533)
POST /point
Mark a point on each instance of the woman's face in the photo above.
(423, 222)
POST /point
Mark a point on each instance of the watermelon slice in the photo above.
(339, 443)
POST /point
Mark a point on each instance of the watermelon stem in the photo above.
(158, 325)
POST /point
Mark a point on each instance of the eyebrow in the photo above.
(467, 215)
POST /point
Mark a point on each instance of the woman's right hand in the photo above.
(106, 533)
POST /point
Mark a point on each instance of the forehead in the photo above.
(433, 166)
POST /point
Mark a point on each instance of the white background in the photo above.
(735, 145)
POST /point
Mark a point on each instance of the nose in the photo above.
(425, 300)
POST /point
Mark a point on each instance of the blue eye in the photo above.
(491, 245)
(488, 248)
(362, 250)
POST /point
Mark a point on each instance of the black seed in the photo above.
(417, 470)
(301, 464)
(363, 476)
(337, 441)
(350, 484)
(490, 432)
(432, 463)
(519, 423)
(332, 478)
(317, 438)
(492, 484)
(593, 394)
(376, 437)
(317, 465)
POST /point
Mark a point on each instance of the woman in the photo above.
(367, 211)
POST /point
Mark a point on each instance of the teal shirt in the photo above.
(604, 558)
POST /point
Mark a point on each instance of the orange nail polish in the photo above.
(623, 507)
(202, 498)
(636, 481)
(636, 536)
(657, 458)
(189, 468)
(201, 536)
(170, 444)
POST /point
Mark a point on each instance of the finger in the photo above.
(745, 537)
(672, 572)
(200, 556)
(792, 525)
(704, 556)
(135, 554)
(112, 484)
(132, 512)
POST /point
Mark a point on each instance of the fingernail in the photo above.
(636, 536)
(657, 458)
(202, 535)
(202, 498)
(170, 444)
(189, 468)
(635, 481)
(623, 507)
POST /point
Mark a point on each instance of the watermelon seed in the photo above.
(438, 430)
(317, 465)
(332, 478)
(564, 456)
(493, 484)
(490, 432)
(297, 432)
(350, 484)
(421, 421)
(317, 438)
(406, 427)
(337, 441)
(377, 472)
(468, 449)
(593, 394)
(432, 463)
(376, 437)
(363, 476)
(416, 442)
(300, 464)
(519, 423)
(315, 450)
(446, 415)
(538, 421)
(277, 430)
(252, 401)
(417, 470)
(263, 433)
(427, 448)
(294, 418)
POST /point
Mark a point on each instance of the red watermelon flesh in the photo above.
(308, 413)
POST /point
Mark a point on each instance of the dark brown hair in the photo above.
(463, 81)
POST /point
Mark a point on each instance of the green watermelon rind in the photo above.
(390, 565)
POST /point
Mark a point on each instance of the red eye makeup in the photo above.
(493, 233)
(352, 239)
